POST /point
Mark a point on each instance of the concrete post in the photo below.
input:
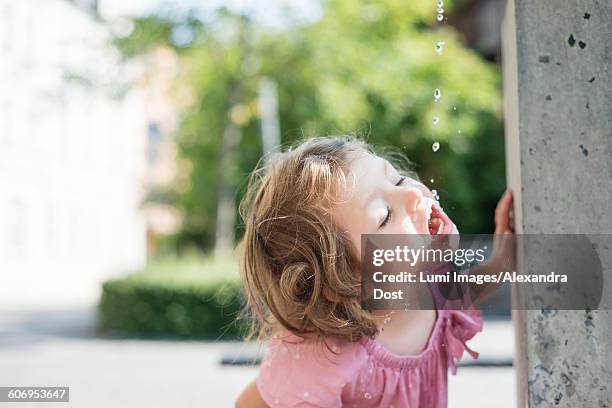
(558, 109)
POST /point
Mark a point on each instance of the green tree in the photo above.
(367, 67)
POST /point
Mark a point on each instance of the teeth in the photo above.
(441, 228)
(437, 224)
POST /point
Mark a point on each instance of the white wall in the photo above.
(71, 158)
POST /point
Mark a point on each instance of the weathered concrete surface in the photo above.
(558, 104)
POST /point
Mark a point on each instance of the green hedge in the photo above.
(184, 298)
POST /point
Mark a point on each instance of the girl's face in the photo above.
(377, 199)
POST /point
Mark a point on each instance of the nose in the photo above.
(411, 198)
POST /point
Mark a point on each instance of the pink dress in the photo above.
(296, 373)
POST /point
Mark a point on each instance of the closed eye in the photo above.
(389, 209)
(387, 218)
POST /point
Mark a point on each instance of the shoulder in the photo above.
(297, 372)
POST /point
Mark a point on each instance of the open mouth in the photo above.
(436, 222)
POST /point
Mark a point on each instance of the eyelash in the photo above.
(388, 217)
(389, 209)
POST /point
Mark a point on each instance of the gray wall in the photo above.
(558, 108)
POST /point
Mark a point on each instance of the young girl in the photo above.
(300, 267)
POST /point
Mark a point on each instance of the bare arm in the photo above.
(503, 248)
(250, 398)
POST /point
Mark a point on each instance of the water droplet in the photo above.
(459, 131)
(431, 180)
(435, 120)
(367, 395)
(306, 394)
(439, 47)
(335, 349)
(437, 94)
(440, 3)
(386, 321)
(435, 146)
(440, 10)
(434, 192)
(440, 17)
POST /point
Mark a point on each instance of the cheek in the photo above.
(357, 246)
(406, 226)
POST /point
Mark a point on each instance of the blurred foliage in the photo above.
(191, 297)
(365, 67)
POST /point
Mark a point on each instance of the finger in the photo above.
(504, 202)
(503, 209)
(511, 212)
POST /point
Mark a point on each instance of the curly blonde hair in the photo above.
(299, 269)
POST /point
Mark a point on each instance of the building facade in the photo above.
(72, 157)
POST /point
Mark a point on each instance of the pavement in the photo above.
(61, 348)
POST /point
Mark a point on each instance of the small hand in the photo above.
(504, 257)
(504, 214)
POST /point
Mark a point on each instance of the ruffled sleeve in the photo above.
(460, 326)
